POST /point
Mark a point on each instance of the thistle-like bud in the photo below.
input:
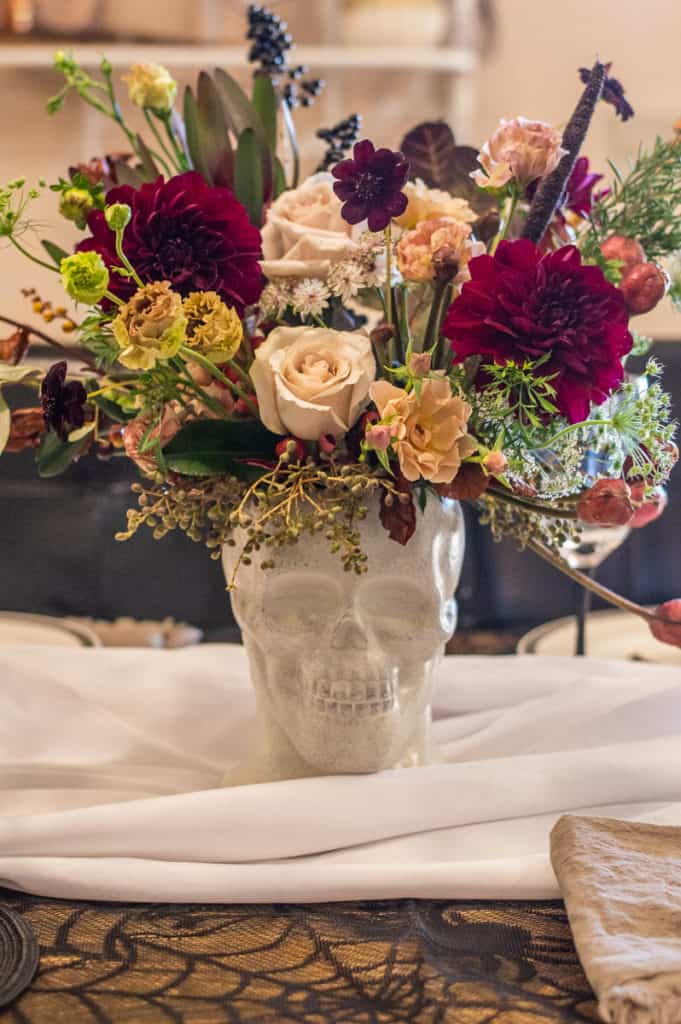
(118, 216)
(75, 205)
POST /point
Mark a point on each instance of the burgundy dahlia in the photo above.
(62, 403)
(370, 185)
(183, 231)
(521, 305)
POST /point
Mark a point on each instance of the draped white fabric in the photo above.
(111, 764)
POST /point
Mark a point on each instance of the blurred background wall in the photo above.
(397, 62)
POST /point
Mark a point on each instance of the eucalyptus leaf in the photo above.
(55, 252)
(248, 176)
(279, 182)
(241, 114)
(54, 456)
(5, 422)
(265, 104)
(212, 133)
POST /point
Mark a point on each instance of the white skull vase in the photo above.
(342, 664)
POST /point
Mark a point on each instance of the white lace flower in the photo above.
(310, 297)
(346, 279)
(275, 298)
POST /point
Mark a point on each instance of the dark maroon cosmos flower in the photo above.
(613, 93)
(521, 305)
(62, 403)
(370, 185)
(183, 231)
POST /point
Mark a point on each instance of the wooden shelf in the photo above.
(447, 60)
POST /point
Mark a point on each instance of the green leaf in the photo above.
(148, 166)
(55, 252)
(248, 182)
(15, 374)
(112, 410)
(54, 455)
(5, 422)
(206, 447)
(80, 432)
(241, 114)
(265, 104)
(211, 134)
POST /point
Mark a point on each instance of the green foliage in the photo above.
(644, 204)
(206, 447)
(517, 389)
(54, 456)
(248, 181)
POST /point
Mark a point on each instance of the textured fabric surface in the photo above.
(403, 962)
(622, 888)
(114, 761)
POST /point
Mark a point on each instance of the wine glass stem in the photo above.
(583, 609)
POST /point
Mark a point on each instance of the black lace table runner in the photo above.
(393, 962)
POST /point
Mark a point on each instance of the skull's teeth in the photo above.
(352, 698)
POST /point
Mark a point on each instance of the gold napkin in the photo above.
(621, 882)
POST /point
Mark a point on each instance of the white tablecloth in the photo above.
(111, 761)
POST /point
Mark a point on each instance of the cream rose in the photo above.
(311, 381)
(304, 233)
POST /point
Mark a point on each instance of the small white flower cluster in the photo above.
(308, 297)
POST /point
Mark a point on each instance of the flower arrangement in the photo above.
(415, 325)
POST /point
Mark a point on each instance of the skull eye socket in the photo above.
(300, 602)
(396, 610)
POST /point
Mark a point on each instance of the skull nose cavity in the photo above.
(349, 636)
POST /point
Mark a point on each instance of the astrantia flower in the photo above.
(183, 231)
(370, 185)
(521, 305)
(62, 403)
(310, 297)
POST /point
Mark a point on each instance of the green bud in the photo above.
(75, 205)
(118, 216)
(85, 277)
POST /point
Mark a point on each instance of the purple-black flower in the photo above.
(62, 403)
(613, 93)
(370, 185)
(579, 189)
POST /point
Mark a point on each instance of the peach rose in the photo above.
(136, 430)
(304, 233)
(311, 381)
(520, 149)
(416, 249)
(425, 203)
(430, 432)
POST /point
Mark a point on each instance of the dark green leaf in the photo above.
(54, 456)
(241, 114)
(248, 183)
(148, 167)
(55, 252)
(213, 446)
(265, 104)
(212, 131)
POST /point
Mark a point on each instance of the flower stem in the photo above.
(571, 429)
(31, 257)
(441, 296)
(113, 298)
(52, 341)
(388, 275)
(180, 154)
(124, 259)
(509, 210)
(196, 357)
(541, 508)
(167, 155)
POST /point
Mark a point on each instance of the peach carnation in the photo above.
(417, 249)
(429, 432)
(520, 149)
